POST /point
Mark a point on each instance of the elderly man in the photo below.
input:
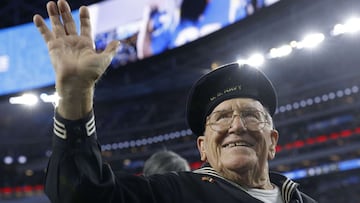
(229, 109)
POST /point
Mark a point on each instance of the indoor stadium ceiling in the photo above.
(15, 12)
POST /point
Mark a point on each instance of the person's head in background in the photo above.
(163, 162)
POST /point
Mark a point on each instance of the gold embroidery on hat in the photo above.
(225, 91)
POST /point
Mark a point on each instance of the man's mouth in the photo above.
(236, 144)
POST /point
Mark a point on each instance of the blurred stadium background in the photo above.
(140, 106)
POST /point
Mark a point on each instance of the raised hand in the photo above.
(76, 63)
(72, 55)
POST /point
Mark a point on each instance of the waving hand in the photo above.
(76, 63)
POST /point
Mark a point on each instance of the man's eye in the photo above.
(222, 115)
(251, 114)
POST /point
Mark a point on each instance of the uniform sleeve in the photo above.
(75, 172)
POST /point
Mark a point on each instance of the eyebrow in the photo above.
(242, 109)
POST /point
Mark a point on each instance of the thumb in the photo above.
(108, 54)
(111, 49)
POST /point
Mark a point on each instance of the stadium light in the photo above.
(26, 99)
(281, 51)
(311, 40)
(255, 60)
(8, 160)
(22, 159)
(50, 98)
(350, 26)
(241, 61)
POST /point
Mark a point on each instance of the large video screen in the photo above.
(145, 28)
(24, 59)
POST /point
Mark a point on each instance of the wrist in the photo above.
(74, 103)
(74, 129)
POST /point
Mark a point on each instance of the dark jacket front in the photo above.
(76, 173)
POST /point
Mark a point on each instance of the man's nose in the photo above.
(237, 122)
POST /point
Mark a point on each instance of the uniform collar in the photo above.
(287, 186)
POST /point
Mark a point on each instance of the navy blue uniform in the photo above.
(76, 173)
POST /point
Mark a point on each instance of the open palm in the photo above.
(75, 61)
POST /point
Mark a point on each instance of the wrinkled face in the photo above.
(236, 148)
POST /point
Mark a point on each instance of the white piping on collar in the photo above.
(287, 188)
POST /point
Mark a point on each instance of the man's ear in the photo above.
(201, 147)
(274, 137)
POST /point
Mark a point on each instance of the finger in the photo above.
(85, 24)
(57, 26)
(43, 29)
(68, 21)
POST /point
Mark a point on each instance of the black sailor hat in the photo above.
(227, 82)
